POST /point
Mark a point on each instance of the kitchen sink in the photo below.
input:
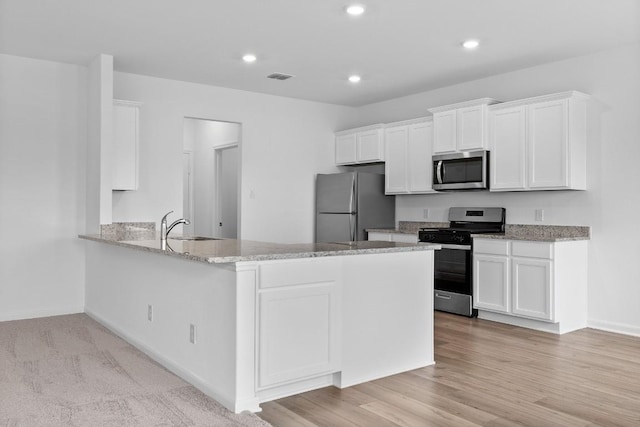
(193, 238)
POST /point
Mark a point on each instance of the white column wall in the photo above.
(43, 132)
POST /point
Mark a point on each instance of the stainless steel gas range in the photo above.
(453, 275)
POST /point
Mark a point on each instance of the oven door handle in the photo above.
(458, 247)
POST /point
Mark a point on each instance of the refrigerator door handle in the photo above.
(352, 228)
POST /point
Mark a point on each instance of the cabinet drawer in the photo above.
(383, 237)
(489, 246)
(404, 238)
(532, 249)
(297, 272)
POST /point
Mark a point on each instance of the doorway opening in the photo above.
(211, 177)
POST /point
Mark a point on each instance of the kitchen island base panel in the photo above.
(121, 283)
(387, 316)
(384, 325)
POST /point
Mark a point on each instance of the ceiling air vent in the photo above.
(279, 76)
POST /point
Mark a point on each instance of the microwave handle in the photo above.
(439, 171)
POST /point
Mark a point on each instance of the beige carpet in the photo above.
(71, 371)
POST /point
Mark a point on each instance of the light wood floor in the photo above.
(489, 374)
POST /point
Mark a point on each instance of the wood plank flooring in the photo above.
(488, 374)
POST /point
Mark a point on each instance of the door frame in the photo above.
(217, 191)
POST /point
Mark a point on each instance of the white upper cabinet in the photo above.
(444, 132)
(461, 127)
(361, 145)
(539, 143)
(508, 153)
(126, 115)
(396, 140)
(408, 166)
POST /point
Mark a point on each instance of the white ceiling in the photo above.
(398, 46)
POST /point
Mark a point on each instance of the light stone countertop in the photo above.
(541, 233)
(533, 233)
(231, 250)
(409, 227)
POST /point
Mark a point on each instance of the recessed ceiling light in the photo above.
(354, 78)
(470, 44)
(355, 9)
(249, 57)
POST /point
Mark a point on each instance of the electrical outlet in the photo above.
(539, 214)
(425, 213)
(150, 313)
(192, 333)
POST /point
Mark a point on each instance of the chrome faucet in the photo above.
(165, 230)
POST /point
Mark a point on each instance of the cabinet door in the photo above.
(532, 288)
(507, 141)
(395, 167)
(370, 146)
(298, 334)
(548, 144)
(346, 149)
(470, 128)
(419, 164)
(444, 132)
(125, 147)
(491, 288)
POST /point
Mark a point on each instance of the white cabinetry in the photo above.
(393, 237)
(361, 145)
(541, 285)
(461, 127)
(125, 145)
(539, 143)
(298, 321)
(408, 166)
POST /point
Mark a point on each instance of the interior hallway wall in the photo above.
(43, 132)
(285, 142)
(612, 200)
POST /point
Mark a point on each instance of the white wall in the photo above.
(43, 131)
(285, 142)
(610, 205)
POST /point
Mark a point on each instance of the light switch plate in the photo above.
(539, 214)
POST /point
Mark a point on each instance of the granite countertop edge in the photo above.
(294, 254)
(524, 232)
(530, 238)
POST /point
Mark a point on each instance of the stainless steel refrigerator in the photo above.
(348, 203)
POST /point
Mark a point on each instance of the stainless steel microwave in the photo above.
(467, 170)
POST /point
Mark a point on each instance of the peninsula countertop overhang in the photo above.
(231, 251)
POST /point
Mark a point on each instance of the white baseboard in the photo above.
(237, 407)
(618, 328)
(34, 314)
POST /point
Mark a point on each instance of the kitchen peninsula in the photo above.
(248, 322)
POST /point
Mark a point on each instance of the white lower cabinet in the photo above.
(298, 318)
(393, 237)
(542, 285)
(493, 272)
(532, 287)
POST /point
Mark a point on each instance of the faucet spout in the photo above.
(165, 230)
(180, 221)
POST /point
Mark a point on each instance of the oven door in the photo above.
(453, 280)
